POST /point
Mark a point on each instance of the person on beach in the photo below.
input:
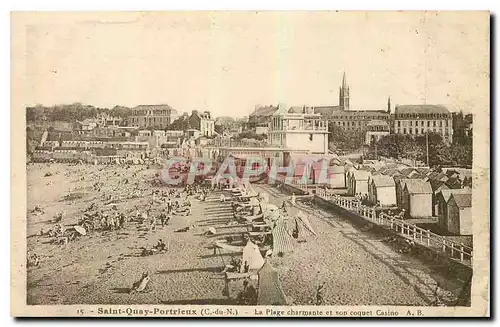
(152, 224)
(436, 298)
(161, 246)
(283, 207)
(33, 259)
(319, 294)
(233, 266)
(117, 220)
(111, 222)
(104, 224)
(162, 217)
(141, 284)
(121, 219)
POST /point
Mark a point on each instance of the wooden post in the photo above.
(414, 232)
(444, 245)
(226, 286)
(461, 252)
(428, 238)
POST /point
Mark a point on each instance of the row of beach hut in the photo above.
(422, 192)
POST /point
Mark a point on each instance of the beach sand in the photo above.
(99, 268)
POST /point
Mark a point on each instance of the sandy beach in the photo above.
(356, 268)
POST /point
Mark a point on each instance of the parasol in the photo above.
(80, 230)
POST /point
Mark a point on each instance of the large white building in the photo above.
(202, 122)
(158, 116)
(304, 131)
(375, 130)
(421, 119)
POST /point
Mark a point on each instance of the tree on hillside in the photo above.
(180, 124)
(72, 112)
(120, 111)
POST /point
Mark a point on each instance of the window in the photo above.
(421, 123)
(310, 137)
(416, 130)
(434, 123)
(404, 130)
(411, 123)
(428, 123)
(399, 123)
(411, 131)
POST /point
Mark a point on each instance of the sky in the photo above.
(228, 62)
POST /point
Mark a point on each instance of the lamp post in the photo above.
(426, 142)
(427, 146)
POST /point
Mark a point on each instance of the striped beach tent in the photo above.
(282, 240)
(270, 291)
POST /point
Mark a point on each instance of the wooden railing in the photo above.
(409, 231)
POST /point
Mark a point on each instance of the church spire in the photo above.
(344, 94)
(389, 104)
